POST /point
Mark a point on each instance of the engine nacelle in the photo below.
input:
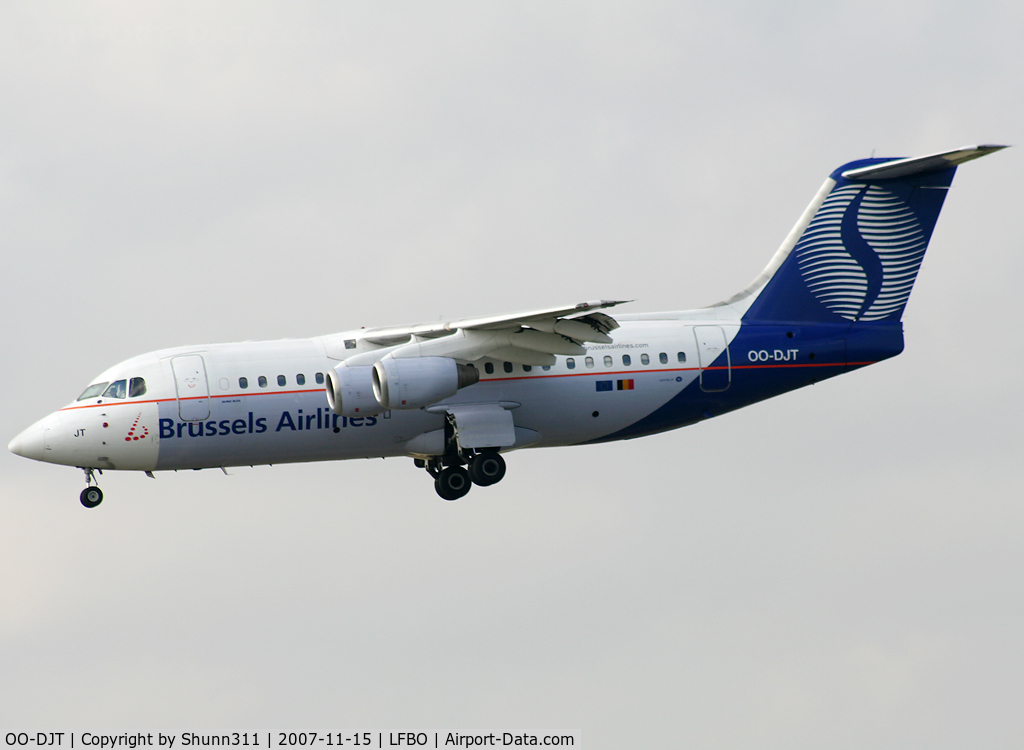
(414, 382)
(350, 391)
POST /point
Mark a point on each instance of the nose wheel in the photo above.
(92, 495)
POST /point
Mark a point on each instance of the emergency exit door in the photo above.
(713, 358)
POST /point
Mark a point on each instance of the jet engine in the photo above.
(350, 391)
(414, 382)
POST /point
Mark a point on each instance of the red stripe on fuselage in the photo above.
(589, 373)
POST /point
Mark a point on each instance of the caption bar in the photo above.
(269, 740)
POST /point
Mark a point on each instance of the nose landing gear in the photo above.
(452, 481)
(92, 495)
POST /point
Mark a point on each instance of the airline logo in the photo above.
(860, 255)
(136, 432)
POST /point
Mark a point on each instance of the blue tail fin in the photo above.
(856, 251)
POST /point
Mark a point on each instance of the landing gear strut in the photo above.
(452, 481)
(92, 495)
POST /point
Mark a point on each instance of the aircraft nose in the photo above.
(29, 443)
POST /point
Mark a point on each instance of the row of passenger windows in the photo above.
(282, 381)
(570, 362)
(137, 386)
(118, 389)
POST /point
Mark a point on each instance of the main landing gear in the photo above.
(92, 495)
(452, 480)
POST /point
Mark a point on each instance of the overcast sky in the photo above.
(841, 566)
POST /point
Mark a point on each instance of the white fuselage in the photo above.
(264, 402)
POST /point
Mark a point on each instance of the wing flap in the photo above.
(528, 338)
(398, 334)
(470, 346)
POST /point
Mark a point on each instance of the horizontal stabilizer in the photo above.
(919, 164)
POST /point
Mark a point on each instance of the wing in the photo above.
(529, 338)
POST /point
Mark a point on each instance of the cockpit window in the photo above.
(137, 387)
(116, 389)
(93, 391)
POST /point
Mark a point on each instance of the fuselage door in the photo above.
(193, 391)
(713, 353)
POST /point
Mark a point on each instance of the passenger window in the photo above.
(93, 390)
(507, 366)
(663, 358)
(626, 360)
(223, 384)
(607, 360)
(644, 359)
(300, 379)
(137, 387)
(319, 378)
(117, 389)
(243, 383)
(282, 380)
(682, 356)
(545, 368)
(570, 363)
(262, 380)
(489, 368)
(589, 361)
(527, 368)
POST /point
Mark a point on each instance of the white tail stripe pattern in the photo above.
(889, 226)
(832, 274)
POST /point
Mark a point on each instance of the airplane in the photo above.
(455, 396)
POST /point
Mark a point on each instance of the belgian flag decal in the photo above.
(614, 385)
